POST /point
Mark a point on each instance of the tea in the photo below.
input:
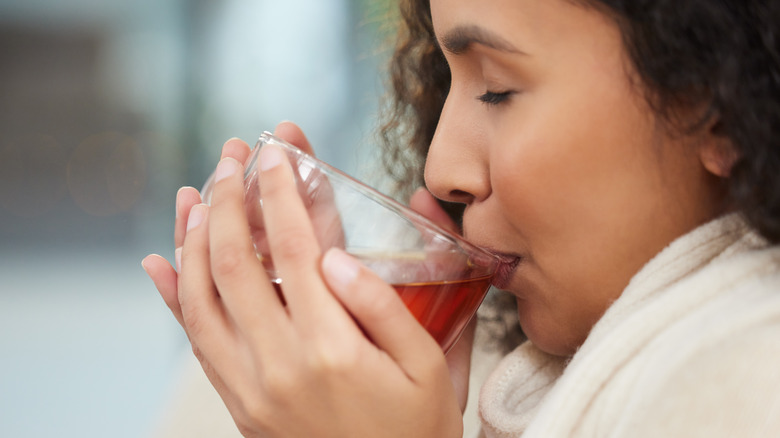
(442, 307)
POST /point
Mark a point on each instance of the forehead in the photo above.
(526, 24)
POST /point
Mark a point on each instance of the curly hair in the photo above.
(420, 81)
(725, 56)
(721, 55)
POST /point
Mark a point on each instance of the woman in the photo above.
(622, 155)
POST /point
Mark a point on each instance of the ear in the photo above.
(717, 153)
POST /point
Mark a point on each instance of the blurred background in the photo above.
(106, 109)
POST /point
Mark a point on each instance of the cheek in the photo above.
(577, 186)
(570, 164)
(543, 184)
(575, 190)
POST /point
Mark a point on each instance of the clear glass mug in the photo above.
(441, 277)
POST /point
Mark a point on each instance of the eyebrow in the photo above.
(460, 39)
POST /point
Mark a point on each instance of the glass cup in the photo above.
(441, 278)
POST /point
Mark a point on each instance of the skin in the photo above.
(307, 368)
(571, 176)
(570, 172)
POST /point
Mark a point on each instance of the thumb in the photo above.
(293, 134)
(423, 202)
(378, 310)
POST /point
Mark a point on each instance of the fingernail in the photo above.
(269, 158)
(143, 265)
(278, 125)
(197, 214)
(177, 258)
(340, 268)
(178, 200)
(225, 168)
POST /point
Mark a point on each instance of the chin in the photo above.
(545, 333)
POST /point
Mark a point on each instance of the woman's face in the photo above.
(548, 140)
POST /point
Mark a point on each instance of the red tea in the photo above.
(442, 307)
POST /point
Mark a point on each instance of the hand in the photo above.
(165, 277)
(459, 356)
(343, 358)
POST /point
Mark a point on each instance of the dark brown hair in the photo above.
(420, 81)
(724, 55)
(721, 55)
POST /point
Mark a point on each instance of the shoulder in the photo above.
(725, 391)
(716, 372)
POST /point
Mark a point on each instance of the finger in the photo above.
(318, 197)
(198, 298)
(208, 326)
(237, 149)
(165, 280)
(186, 197)
(219, 347)
(243, 283)
(378, 310)
(459, 363)
(294, 247)
(424, 203)
(291, 133)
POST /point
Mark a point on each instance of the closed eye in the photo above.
(491, 98)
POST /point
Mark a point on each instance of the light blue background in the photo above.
(87, 347)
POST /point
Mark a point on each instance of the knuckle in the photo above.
(193, 322)
(250, 427)
(279, 383)
(329, 360)
(227, 259)
(262, 403)
(292, 244)
(257, 413)
(381, 306)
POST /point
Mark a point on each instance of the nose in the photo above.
(457, 168)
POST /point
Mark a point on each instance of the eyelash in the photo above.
(492, 98)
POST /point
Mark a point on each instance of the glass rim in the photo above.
(384, 200)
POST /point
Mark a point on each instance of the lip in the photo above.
(508, 261)
(506, 268)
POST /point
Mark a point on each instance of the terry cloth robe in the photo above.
(690, 349)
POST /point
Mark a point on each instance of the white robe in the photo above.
(691, 348)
